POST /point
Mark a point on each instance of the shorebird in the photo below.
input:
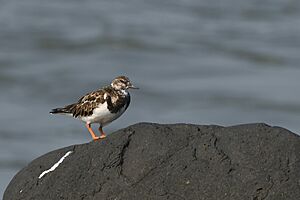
(101, 106)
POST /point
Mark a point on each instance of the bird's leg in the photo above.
(103, 135)
(88, 126)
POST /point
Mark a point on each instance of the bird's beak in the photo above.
(133, 87)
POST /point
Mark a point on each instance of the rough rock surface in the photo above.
(179, 161)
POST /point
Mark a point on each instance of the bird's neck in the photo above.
(124, 92)
(121, 91)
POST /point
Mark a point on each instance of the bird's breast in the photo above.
(103, 115)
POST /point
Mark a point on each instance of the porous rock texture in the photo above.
(178, 161)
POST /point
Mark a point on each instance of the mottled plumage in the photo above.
(101, 106)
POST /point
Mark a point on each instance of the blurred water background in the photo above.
(219, 62)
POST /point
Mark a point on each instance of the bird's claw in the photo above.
(96, 138)
(102, 136)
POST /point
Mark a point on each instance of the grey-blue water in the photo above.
(219, 62)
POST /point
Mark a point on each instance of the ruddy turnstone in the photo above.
(101, 106)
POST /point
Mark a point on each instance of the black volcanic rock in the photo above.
(180, 161)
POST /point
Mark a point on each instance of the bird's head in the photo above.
(122, 83)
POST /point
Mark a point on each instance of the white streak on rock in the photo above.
(55, 165)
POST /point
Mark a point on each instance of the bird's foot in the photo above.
(102, 136)
(96, 138)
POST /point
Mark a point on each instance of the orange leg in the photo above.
(103, 135)
(88, 126)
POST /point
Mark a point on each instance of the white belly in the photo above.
(102, 115)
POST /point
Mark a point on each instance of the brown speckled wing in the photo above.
(85, 106)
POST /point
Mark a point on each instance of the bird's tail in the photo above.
(64, 110)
